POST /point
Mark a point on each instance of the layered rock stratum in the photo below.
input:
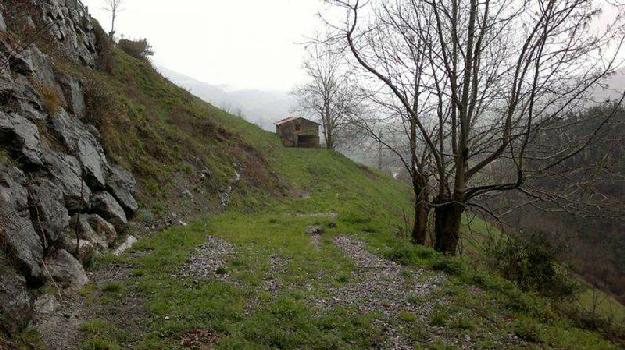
(61, 199)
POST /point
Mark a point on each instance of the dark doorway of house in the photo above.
(307, 141)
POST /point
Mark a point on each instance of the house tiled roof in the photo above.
(285, 120)
(290, 119)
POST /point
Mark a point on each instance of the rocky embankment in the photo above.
(61, 199)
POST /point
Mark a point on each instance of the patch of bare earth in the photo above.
(277, 266)
(58, 320)
(315, 240)
(272, 284)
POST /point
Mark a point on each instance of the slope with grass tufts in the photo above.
(271, 286)
(243, 274)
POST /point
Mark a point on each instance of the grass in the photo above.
(587, 302)
(101, 335)
(246, 316)
(166, 136)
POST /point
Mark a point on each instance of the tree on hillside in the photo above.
(114, 7)
(480, 80)
(395, 131)
(329, 96)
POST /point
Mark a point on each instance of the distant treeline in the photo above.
(580, 208)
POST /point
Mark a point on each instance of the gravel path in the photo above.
(58, 317)
(277, 266)
(209, 260)
(382, 286)
(58, 322)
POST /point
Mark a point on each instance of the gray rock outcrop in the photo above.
(15, 301)
(65, 170)
(65, 270)
(52, 164)
(19, 237)
(122, 185)
(70, 24)
(84, 146)
(21, 137)
(3, 26)
(72, 89)
(107, 207)
(102, 228)
(50, 215)
(82, 240)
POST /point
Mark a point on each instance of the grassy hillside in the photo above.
(249, 277)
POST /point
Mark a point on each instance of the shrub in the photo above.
(139, 49)
(51, 97)
(449, 265)
(531, 264)
(528, 330)
(104, 48)
(102, 108)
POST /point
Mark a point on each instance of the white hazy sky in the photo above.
(239, 43)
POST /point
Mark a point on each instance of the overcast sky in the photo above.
(239, 43)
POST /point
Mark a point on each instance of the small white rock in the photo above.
(130, 241)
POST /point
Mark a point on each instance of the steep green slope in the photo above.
(248, 276)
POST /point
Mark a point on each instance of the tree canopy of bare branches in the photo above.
(114, 7)
(329, 95)
(478, 82)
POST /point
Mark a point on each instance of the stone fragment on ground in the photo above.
(199, 339)
(128, 243)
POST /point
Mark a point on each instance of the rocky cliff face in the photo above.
(61, 199)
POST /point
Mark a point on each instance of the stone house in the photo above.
(298, 132)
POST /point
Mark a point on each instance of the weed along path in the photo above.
(323, 272)
(255, 281)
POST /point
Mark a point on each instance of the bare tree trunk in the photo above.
(113, 14)
(421, 213)
(327, 125)
(447, 227)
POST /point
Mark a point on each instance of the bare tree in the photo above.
(329, 95)
(114, 7)
(480, 80)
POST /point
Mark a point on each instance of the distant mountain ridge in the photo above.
(261, 107)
